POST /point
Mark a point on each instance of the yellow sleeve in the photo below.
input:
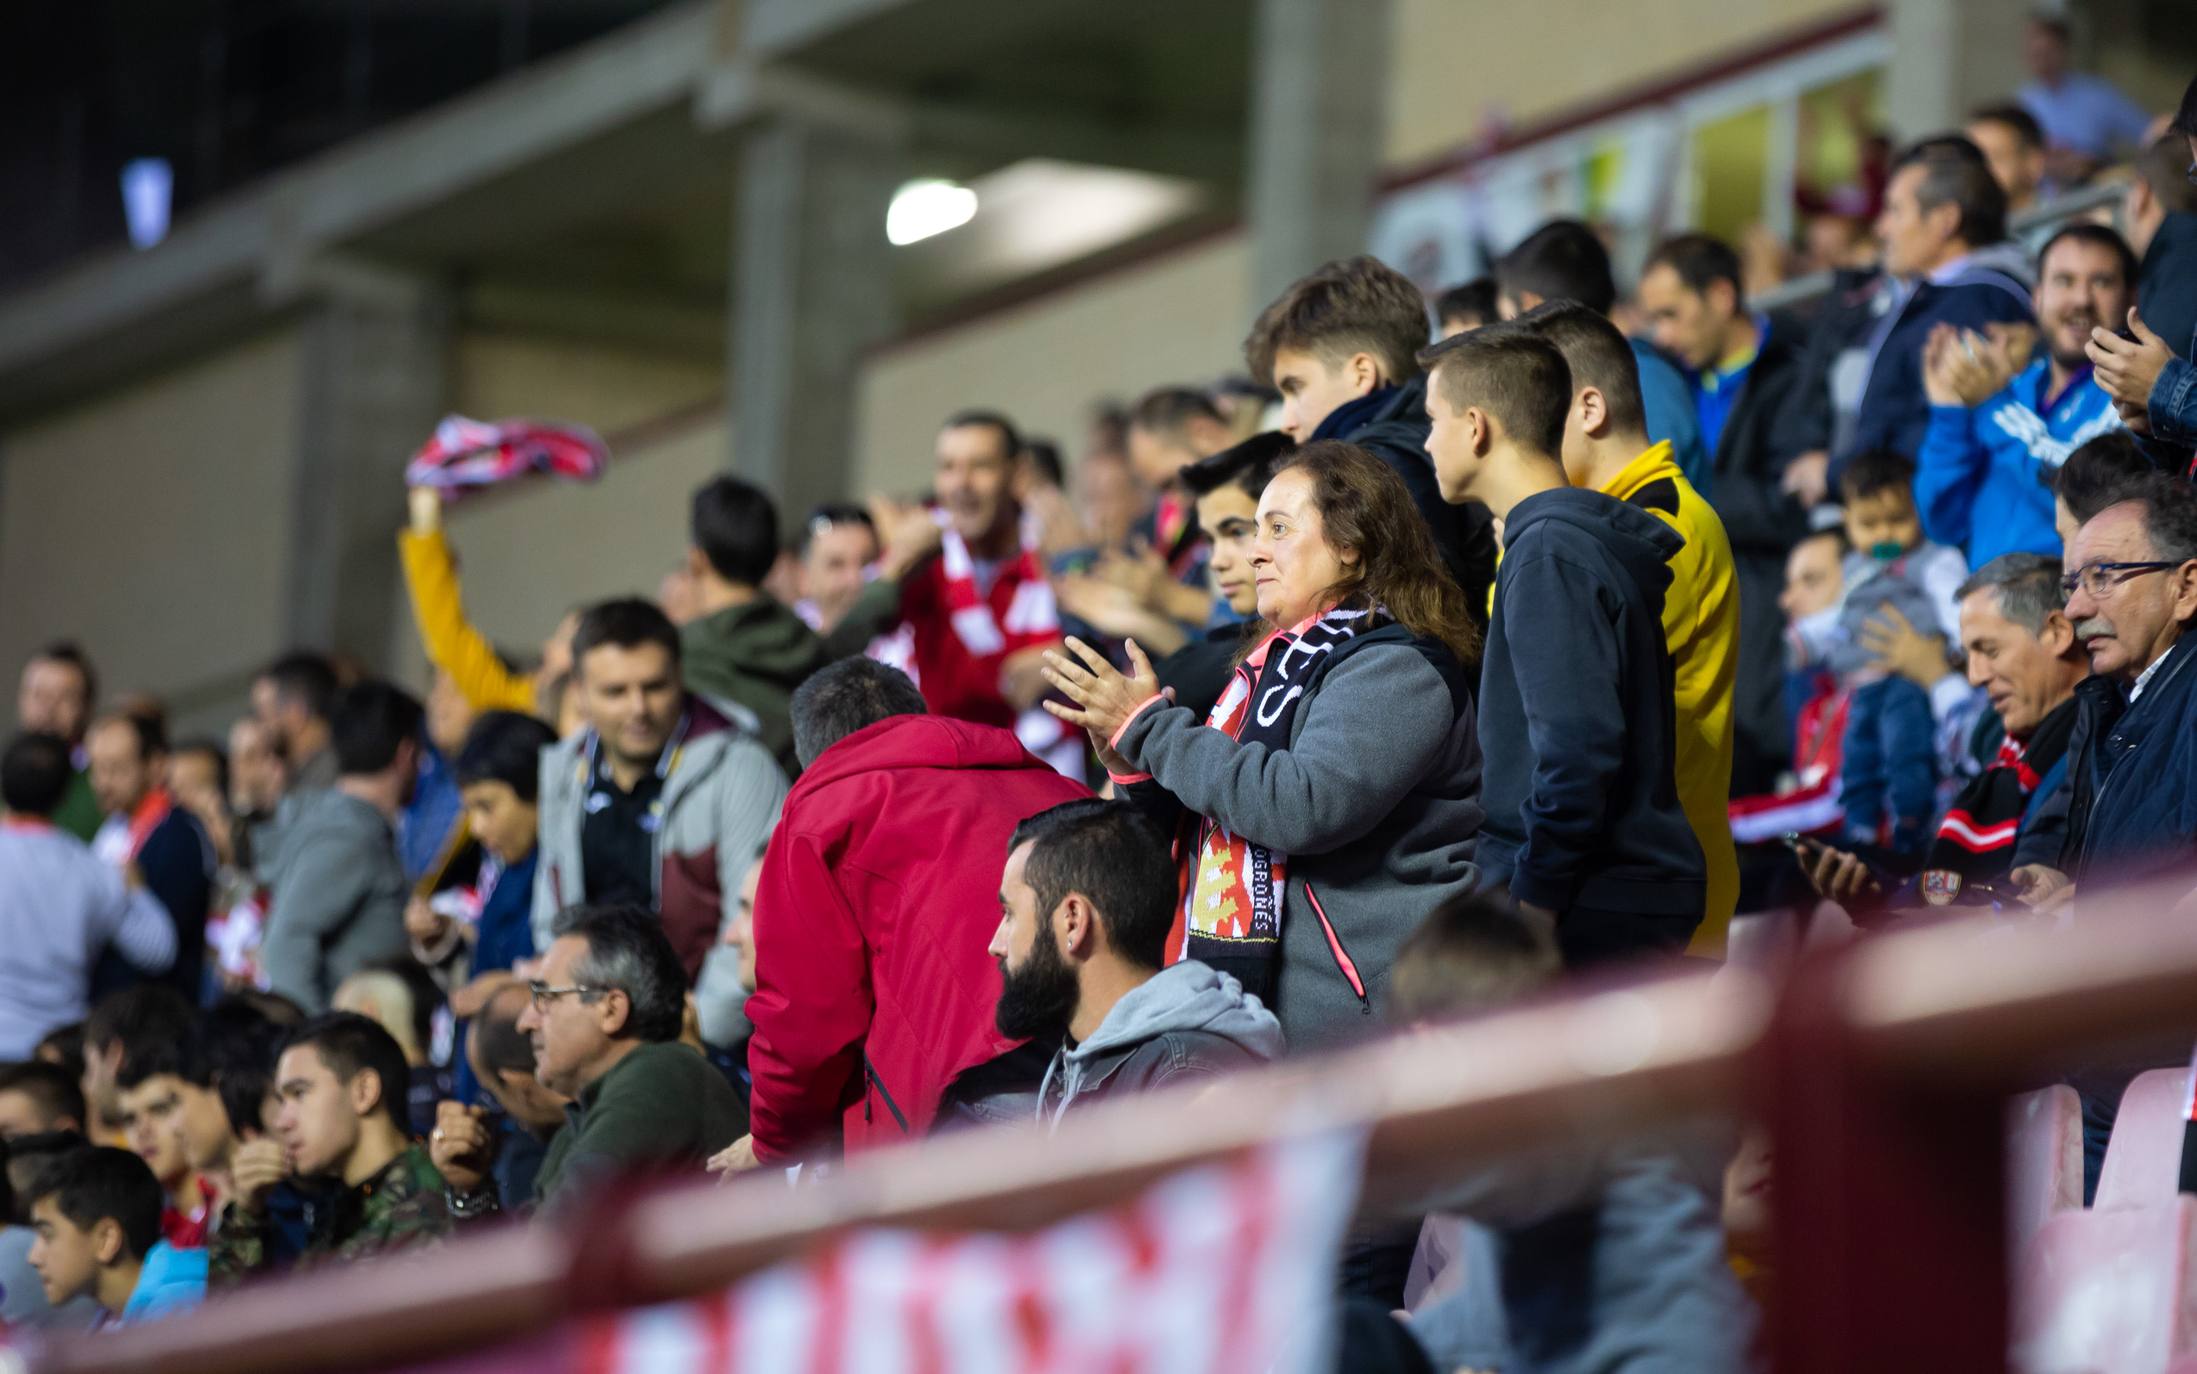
(452, 644)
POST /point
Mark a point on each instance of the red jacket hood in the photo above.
(901, 743)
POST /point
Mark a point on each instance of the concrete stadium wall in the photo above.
(152, 525)
(1456, 62)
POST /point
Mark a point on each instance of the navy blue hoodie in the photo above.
(1578, 728)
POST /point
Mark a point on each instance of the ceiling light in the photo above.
(923, 209)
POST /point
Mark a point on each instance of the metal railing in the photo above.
(1881, 1069)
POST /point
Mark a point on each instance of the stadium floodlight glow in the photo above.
(925, 209)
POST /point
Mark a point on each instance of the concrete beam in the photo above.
(1948, 57)
(293, 216)
(1318, 107)
(811, 291)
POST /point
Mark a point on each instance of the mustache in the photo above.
(2097, 627)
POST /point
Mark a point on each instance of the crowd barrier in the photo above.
(1881, 1069)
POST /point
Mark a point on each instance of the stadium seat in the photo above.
(2143, 1160)
(2044, 1160)
(2109, 1293)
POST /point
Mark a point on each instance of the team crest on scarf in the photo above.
(1233, 896)
(1941, 886)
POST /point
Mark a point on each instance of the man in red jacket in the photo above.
(880, 891)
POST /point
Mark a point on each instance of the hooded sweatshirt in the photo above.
(755, 655)
(1391, 424)
(1187, 1021)
(1578, 728)
(878, 899)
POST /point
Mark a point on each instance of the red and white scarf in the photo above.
(989, 636)
(121, 839)
(1233, 887)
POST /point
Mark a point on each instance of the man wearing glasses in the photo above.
(2132, 595)
(604, 1018)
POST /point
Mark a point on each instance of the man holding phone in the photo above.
(2023, 653)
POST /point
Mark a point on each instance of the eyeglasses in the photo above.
(543, 994)
(2099, 578)
(2192, 174)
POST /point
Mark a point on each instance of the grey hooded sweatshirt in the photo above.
(1187, 1021)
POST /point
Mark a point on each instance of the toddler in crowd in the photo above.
(1888, 759)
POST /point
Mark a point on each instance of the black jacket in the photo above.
(1762, 523)
(1579, 729)
(1397, 435)
(1199, 671)
(2132, 773)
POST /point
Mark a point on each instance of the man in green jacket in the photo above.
(339, 1086)
(743, 645)
(55, 697)
(604, 1020)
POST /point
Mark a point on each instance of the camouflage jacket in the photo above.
(398, 1207)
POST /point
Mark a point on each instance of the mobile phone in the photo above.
(1794, 840)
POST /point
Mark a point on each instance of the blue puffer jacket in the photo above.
(2133, 772)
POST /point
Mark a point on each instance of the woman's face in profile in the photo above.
(1292, 565)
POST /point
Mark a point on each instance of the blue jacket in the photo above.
(2132, 772)
(1672, 416)
(2173, 403)
(1990, 287)
(171, 1280)
(1980, 477)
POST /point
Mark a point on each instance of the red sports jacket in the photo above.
(878, 899)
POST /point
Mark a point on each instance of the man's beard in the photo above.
(1036, 1000)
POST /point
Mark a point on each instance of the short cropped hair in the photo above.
(351, 1044)
(54, 1089)
(1117, 859)
(2099, 473)
(1513, 374)
(1351, 305)
(1010, 438)
(306, 679)
(148, 732)
(627, 951)
(1700, 261)
(625, 622)
(2028, 587)
(2097, 236)
(2013, 118)
(1876, 471)
(371, 720)
(1249, 465)
(497, 1039)
(1472, 300)
(1598, 356)
(2185, 119)
(843, 697)
(213, 752)
(138, 1019)
(735, 525)
(71, 653)
(35, 773)
(1563, 260)
(2164, 167)
(1167, 409)
(1473, 953)
(1955, 173)
(505, 747)
(831, 515)
(100, 1183)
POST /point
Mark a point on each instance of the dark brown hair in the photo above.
(1352, 305)
(1510, 372)
(1364, 506)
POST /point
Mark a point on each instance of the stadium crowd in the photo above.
(1414, 671)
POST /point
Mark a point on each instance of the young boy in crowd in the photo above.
(97, 1215)
(1578, 718)
(1607, 1255)
(1899, 582)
